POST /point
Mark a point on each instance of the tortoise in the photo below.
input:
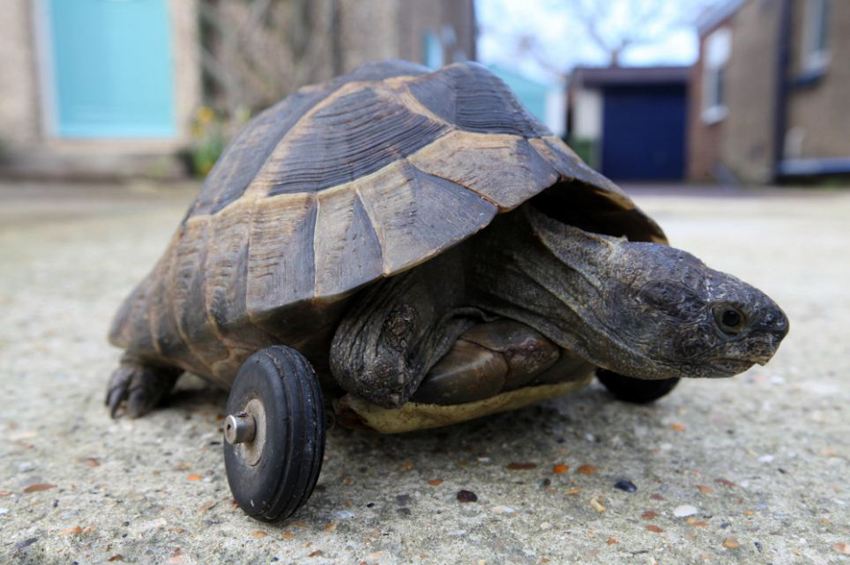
(407, 249)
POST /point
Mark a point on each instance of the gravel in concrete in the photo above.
(762, 458)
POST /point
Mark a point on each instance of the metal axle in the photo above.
(239, 428)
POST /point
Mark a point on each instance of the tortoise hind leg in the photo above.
(496, 357)
(142, 385)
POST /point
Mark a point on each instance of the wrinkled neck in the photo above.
(553, 277)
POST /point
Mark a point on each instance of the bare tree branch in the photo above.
(615, 26)
(255, 52)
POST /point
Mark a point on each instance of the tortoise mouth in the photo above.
(729, 367)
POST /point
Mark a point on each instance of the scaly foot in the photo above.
(141, 385)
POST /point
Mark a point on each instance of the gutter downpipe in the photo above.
(782, 84)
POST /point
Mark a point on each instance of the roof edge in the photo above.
(717, 15)
(613, 76)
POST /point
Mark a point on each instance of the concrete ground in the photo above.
(748, 470)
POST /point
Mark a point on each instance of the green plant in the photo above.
(208, 140)
(587, 149)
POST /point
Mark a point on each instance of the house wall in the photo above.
(375, 30)
(741, 143)
(416, 17)
(587, 114)
(19, 111)
(818, 119)
(187, 64)
(26, 136)
(368, 31)
(747, 137)
(703, 138)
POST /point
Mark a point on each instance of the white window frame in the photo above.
(718, 48)
(815, 48)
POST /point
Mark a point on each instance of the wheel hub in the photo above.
(247, 431)
(239, 428)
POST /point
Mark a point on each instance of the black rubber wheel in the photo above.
(637, 391)
(274, 474)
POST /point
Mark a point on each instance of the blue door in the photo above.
(643, 132)
(112, 68)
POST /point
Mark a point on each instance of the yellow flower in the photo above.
(205, 115)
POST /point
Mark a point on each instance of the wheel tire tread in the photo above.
(300, 417)
(301, 464)
(318, 422)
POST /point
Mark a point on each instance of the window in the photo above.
(718, 45)
(815, 51)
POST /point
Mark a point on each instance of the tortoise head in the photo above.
(639, 309)
(686, 319)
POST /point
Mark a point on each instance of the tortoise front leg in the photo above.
(397, 330)
(142, 385)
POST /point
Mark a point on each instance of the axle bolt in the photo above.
(239, 428)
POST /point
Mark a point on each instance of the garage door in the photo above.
(643, 132)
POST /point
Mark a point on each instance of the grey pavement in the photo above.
(747, 470)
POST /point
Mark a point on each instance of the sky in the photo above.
(563, 39)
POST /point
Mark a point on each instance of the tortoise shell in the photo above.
(337, 186)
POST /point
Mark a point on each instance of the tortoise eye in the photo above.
(729, 319)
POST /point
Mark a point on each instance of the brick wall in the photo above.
(746, 146)
(817, 120)
(819, 109)
(742, 142)
(703, 138)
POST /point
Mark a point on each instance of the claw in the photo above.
(140, 402)
(116, 393)
(138, 387)
(114, 399)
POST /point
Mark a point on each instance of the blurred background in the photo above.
(728, 91)
(716, 115)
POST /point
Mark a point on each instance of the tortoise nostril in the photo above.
(781, 325)
(776, 323)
